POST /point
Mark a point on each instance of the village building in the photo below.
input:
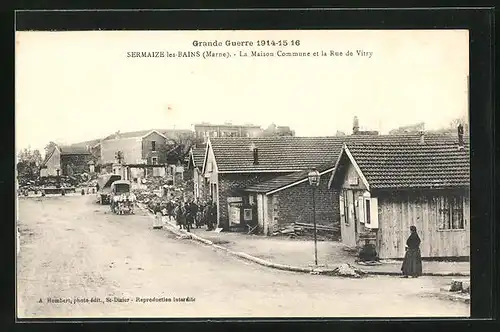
(196, 158)
(136, 155)
(66, 161)
(204, 131)
(51, 165)
(75, 160)
(274, 130)
(234, 166)
(396, 181)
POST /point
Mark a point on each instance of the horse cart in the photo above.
(104, 183)
(122, 199)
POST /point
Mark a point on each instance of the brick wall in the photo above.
(229, 185)
(295, 204)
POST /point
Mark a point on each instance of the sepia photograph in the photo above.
(242, 174)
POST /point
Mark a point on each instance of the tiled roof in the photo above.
(408, 157)
(90, 143)
(198, 156)
(285, 180)
(285, 153)
(401, 161)
(73, 149)
(130, 134)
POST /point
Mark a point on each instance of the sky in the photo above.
(77, 86)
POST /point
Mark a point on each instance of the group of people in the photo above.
(191, 214)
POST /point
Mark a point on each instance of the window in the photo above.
(451, 212)
(367, 211)
(370, 210)
(153, 145)
(154, 160)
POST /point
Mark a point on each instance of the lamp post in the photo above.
(314, 177)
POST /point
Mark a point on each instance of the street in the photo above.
(118, 266)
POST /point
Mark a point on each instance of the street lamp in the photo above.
(314, 178)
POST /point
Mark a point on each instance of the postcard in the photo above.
(242, 174)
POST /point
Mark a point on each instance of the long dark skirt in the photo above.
(412, 263)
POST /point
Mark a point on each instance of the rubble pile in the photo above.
(307, 231)
(460, 286)
(347, 270)
(40, 184)
(158, 191)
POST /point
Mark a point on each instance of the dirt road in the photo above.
(79, 260)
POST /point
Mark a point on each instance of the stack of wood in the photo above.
(307, 230)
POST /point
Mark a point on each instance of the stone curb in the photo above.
(283, 267)
(427, 274)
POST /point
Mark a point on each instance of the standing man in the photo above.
(187, 217)
(212, 215)
(193, 210)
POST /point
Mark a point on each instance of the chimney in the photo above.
(460, 131)
(355, 125)
(422, 136)
(255, 152)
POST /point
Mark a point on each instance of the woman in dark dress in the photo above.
(412, 263)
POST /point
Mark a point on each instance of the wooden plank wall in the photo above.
(398, 212)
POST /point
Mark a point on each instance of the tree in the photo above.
(409, 129)
(28, 166)
(119, 156)
(177, 148)
(452, 126)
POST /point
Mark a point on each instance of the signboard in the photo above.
(234, 214)
(234, 199)
(247, 214)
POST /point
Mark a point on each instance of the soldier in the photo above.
(199, 215)
(170, 210)
(188, 220)
(179, 214)
(193, 212)
(212, 215)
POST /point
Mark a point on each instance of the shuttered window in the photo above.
(451, 212)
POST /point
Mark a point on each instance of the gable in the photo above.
(154, 136)
(210, 163)
(52, 159)
(347, 174)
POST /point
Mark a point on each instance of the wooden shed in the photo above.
(396, 181)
